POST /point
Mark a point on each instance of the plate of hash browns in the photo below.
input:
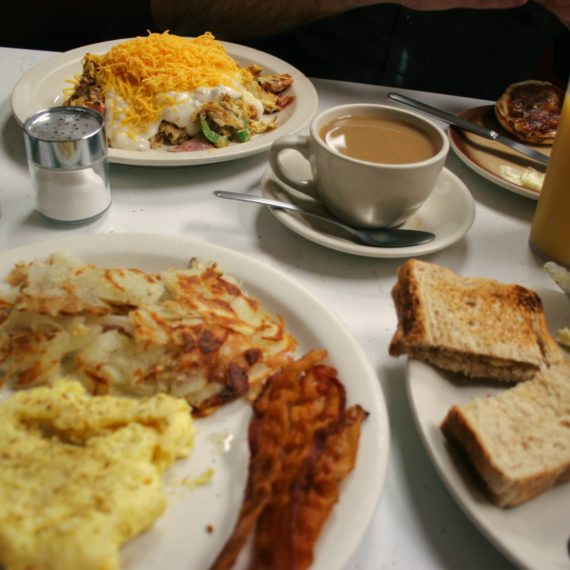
(174, 101)
(175, 404)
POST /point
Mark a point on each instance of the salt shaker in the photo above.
(67, 159)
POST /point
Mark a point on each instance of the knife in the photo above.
(469, 126)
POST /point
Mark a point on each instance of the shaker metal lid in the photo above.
(65, 137)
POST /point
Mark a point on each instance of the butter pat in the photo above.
(564, 336)
(81, 475)
(525, 177)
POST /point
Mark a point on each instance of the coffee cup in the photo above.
(371, 165)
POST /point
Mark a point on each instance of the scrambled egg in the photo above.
(81, 475)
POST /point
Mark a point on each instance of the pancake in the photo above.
(530, 110)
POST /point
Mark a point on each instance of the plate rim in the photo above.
(373, 469)
(307, 106)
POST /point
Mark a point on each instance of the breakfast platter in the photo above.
(205, 490)
(491, 159)
(533, 534)
(43, 87)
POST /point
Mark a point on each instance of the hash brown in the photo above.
(193, 332)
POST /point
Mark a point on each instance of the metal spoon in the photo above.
(389, 237)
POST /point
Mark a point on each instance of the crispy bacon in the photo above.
(303, 442)
(313, 492)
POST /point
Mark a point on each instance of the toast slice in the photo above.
(518, 441)
(479, 327)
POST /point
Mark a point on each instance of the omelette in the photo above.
(81, 475)
(185, 94)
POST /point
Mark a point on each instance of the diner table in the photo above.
(417, 523)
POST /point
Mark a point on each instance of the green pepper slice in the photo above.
(242, 135)
(216, 139)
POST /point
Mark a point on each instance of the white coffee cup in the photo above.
(365, 193)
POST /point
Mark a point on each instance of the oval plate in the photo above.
(43, 85)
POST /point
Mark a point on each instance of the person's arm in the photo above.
(249, 19)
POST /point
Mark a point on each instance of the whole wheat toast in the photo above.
(517, 441)
(479, 327)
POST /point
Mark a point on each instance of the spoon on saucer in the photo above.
(389, 237)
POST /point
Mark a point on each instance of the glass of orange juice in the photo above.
(550, 233)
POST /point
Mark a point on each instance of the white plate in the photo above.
(43, 85)
(534, 535)
(449, 213)
(179, 540)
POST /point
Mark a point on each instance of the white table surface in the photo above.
(417, 522)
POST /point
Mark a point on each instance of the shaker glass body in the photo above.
(550, 233)
(67, 159)
(70, 196)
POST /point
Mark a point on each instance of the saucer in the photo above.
(448, 213)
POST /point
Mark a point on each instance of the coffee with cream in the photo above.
(378, 139)
(395, 158)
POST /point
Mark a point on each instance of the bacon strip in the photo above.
(303, 442)
(314, 492)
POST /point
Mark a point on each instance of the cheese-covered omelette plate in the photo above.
(48, 83)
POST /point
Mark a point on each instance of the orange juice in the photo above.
(550, 233)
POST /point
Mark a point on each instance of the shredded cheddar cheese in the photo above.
(144, 70)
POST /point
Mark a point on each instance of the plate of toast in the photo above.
(489, 387)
